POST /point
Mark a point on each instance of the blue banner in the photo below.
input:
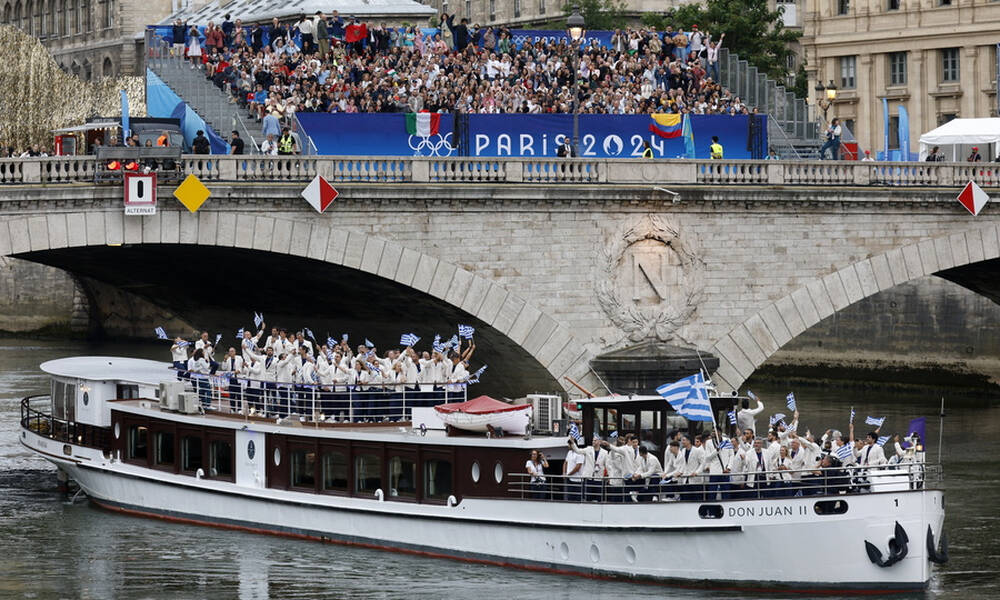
(601, 136)
(520, 37)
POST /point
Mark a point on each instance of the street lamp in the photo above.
(574, 28)
(830, 93)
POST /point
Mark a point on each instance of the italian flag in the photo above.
(423, 124)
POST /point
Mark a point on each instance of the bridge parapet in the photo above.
(382, 169)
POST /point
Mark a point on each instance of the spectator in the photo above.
(832, 144)
(974, 156)
(535, 468)
(286, 143)
(194, 47)
(269, 146)
(200, 144)
(935, 155)
(235, 143)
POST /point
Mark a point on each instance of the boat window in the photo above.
(220, 453)
(830, 507)
(475, 471)
(137, 442)
(710, 511)
(367, 473)
(191, 453)
(164, 448)
(126, 392)
(498, 472)
(607, 423)
(334, 471)
(402, 477)
(437, 479)
(303, 468)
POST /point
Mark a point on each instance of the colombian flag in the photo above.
(666, 126)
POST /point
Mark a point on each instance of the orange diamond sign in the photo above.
(192, 193)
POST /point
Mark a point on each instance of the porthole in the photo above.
(710, 511)
(277, 456)
(498, 472)
(118, 431)
(86, 398)
(595, 553)
(564, 550)
(630, 554)
(251, 450)
(830, 507)
(475, 472)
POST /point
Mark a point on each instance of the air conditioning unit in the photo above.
(168, 394)
(544, 410)
(189, 403)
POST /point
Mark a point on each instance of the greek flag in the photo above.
(874, 422)
(844, 452)
(614, 435)
(732, 417)
(218, 337)
(258, 319)
(466, 331)
(725, 444)
(330, 342)
(751, 395)
(437, 345)
(790, 398)
(309, 333)
(793, 426)
(882, 440)
(182, 343)
(160, 334)
(777, 418)
(368, 343)
(474, 378)
(689, 397)
(408, 339)
(239, 333)
(574, 432)
(452, 343)
(852, 416)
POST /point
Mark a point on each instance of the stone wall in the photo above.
(35, 297)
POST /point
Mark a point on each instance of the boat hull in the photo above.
(752, 546)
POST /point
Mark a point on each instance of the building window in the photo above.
(220, 454)
(944, 2)
(334, 472)
(541, 7)
(468, 8)
(138, 439)
(893, 4)
(949, 65)
(437, 479)
(303, 465)
(517, 8)
(897, 68)
(164, 449)
(848, 70)
(367, 474)
(402, 477)
(843, 7)
(946, 117)
(894, 133)
(190, 453)
(493, 10)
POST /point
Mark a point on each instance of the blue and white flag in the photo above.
(160, 334)
(844, 452)
(309, 333)
(466, 331)
(239, 333)
(574, 432)
(751, 395)
(330, 342)
(882, 440)
(874, 422)
(852, 416)
(614, 435)
(408, 339)
(258, 319)
(689, 397)
(725, 444)
(437, 345)
(790, 398)
(368, 343)
(218, 337)
(677, 393)
(182, 343)
(732, 417)
(474, 378)
(453, 343)
(777, 418)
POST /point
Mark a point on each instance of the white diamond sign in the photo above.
(973, 198)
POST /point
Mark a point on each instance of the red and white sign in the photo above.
(319, 194)
(140, 193)
(973, 198)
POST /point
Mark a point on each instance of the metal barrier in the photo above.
(315, 403)
(831, 481)
(61, 430)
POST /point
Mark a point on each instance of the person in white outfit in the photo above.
(746, 416)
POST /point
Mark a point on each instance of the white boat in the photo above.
(482, 413)
(135, 445)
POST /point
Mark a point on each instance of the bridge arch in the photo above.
(748, 345)
(513, 321)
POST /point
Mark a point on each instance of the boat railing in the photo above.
(40, 420)
(316, 402)
(829, 481)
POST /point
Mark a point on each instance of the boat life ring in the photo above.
(932, 553)
(897, 548)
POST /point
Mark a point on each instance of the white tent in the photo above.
(962, 135)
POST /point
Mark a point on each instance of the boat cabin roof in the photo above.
(109, 368)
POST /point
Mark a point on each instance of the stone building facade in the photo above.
(935, 57)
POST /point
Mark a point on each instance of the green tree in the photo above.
(754, 32)
(598, 15)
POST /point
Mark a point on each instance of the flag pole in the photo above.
(941, 430)
(711, 410)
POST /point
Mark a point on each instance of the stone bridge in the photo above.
(554, 262)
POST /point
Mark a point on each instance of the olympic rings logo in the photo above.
(428, 146)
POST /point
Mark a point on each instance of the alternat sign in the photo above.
(140, 193)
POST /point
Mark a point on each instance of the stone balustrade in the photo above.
(380, 169)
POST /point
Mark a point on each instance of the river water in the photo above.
(54, 549)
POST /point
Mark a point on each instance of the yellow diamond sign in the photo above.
(192, 193)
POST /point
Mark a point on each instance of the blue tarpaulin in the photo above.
(161, 101)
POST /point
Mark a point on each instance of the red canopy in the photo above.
(482, 405)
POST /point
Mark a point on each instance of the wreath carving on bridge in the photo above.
(651, 281)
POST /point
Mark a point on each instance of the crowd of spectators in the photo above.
(327, 64)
